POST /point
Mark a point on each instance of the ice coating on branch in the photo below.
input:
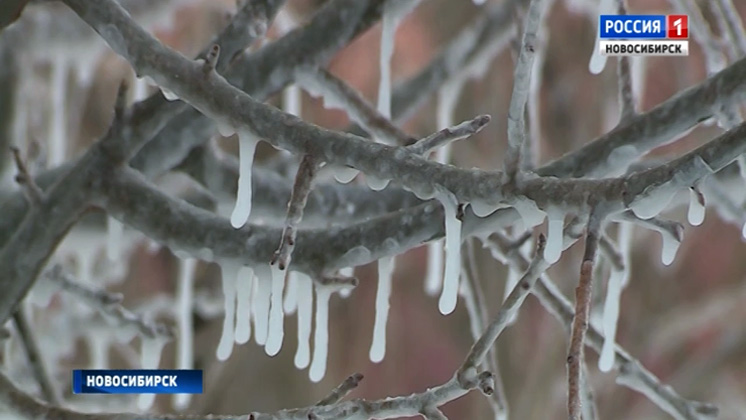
(260, 303)
(168, 94)
(385, 274)
(290, 303)
(276, 331)
(346, 272)
(696, 213)
(670, 247)
(244, 289)
(225, 128)
(291, 100)
(345, 174)
(58, 127)
(530, 213)
(114, 237)
(650, 205)
(321, 334)
(305, 312)
(247, 142)
(434, 276)
(184, 321)
(229, 273)
(555, 223)
(150, 358)
(483, 208)
(98, 345)
(598, 61)
(376, 184)
(449, 294)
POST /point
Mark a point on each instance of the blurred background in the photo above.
(684, 322)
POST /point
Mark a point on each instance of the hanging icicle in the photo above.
(260, 303)
(449, 294)
(247, 142)
(598, 61)
(305, 312)
(290, 303)
(555, 224)
(244, 288)
(385, 274)
(150, 358)
(617, 281)
(58, 128)
(185, 323)
(276, 331)
(321, 334)
(229, 272)
(696, 213)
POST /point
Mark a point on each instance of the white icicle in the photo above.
(290, 303)
(114, 237)
(140, 89)
(244, 287)
(260, 303)
(168, 94)
(58, 128)
(610, 317)
(305, 313)
(276, 331)
(598, 61)
(434, 277)
(345, 174)
(449, 294)
(390, 21)
(321, 334)
(385, 273)
(291, 100)
(185, 345)
(98, 345)
(553, 250)
(247, 142)
(670, 246)
(696, 213)
(150, 358)
(651, 205)
(743, 231)
(229, 272)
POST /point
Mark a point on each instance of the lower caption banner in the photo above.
(137, 381)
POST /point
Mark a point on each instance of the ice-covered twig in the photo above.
(109, 305)
(433, 413)
(36, 360)
(575, 354)
(627, 100)
(521, 86)
(342, 390)
(301, 188)
(337, 91)
(457, 132)
(33, 193)
(587, 399)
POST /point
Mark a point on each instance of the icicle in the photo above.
(390, 21)
(150, 357)
(291, 100)
(321, 334)
(185, 299)
(305, 310)
(115, 232)
(555, 224)
(168, 94)
(385, 273)
(345, 174)
(598, 61)
(478, 2)
(58, 135)
(449, 294)
(448, 96)
(98, 345)
(247, 146)
(696, 214)
(376, 184)
(229, 271)
(617, 280)
(225, 129)
(742, 165)
(41, 293)
(530, 213)
(260, 304)
(276, 315)
(743, 231)
(140, 89)
(290, 304)
(651, 205)
(346, 272)
(244, 287)
(670, 246)
(434, 277)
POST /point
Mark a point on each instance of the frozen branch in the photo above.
(521, 86)
(41, 373)
(302, 187)
(450, 134)
(575, 354)
(342, 390)
(339, 94)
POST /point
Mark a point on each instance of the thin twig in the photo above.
(298, 198)
(33, 193)
(447, 135)
(342, 390)
(583, 294)
(35, 358)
